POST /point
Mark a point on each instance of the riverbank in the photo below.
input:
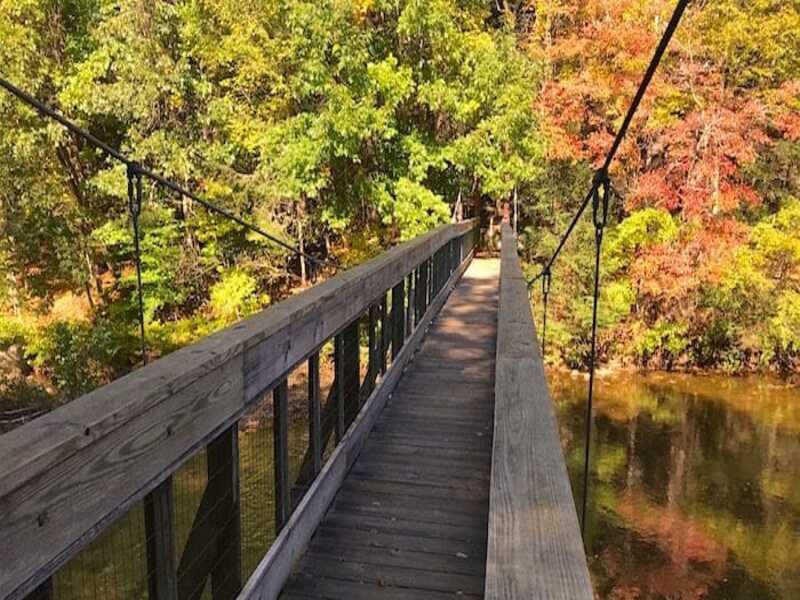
(618, 370)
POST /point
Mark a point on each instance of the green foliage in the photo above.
(234, 296)
(416, 209)
(756, 40)
(645, 227)
(78, 356)
(784, 328)
(13, 330)
(340, 125)
(665, 343)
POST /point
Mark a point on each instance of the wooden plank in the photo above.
(376, 503)
(412, 452)
(535, 549)
(398, 318)
(409, 527)
(223, 488)
(329, 418)
(160, 535)
(100, 482)
(322, 587)
(421, 302)
(352, 371)
(410, 304)
(372, 343)
(384, 337)
(213, 546)
(272, 573)
(314, 416)
(68, 474)
(391, 576)
(375, 539)
(394, 557)
(339, 383)
(280, 438)
(199, 553)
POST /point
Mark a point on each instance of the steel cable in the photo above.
(47, 111)
(600, 207)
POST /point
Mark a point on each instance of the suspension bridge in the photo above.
(429, 464)
(444, 477)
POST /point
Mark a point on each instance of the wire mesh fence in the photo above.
(205, 528)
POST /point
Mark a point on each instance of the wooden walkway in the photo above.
(448, 481)
(411, 519)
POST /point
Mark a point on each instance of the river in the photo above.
(695, 485)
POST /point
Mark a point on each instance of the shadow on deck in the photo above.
(411, 519)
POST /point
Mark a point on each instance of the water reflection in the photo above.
(695, 489)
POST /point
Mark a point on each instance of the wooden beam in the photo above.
(384, 337)
(271, 574)
(314, 414)
(398, 318)
(352, 371)
(223, 487)
(535, 550)
(68, 474)
(280, 437)
(410, 304)
(339, 382)
(372, 343)
(214, 542)
(160, 534)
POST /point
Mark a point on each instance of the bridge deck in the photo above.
(411, 519)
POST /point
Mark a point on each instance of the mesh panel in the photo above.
(114, 566)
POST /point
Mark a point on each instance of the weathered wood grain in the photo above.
(272, 573)
(68, 474)
(534, 549)
(160, 535)
(407, 518)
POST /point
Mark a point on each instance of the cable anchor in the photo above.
(546, 281)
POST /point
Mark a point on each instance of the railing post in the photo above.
(398, 318)
(422, 290)
(384, 333)
(314, 414)
(352, 371)
(338, 361)
(372, 342)
(159, 532)
(280, 433)
(223, 488)
(410, 304)
(429, 283)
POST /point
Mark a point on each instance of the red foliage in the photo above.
(691, 159)
(666, 275)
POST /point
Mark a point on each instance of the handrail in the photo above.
(67, 475)
(534, 549)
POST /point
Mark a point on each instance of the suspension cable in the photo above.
(599, 195)
(602, 173)
(546, 280)
(49, 112)
(600, 202)
(135, 209)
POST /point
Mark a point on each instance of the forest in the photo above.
(343, 127)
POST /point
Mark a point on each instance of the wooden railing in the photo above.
(534, 547)
(68, 475)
